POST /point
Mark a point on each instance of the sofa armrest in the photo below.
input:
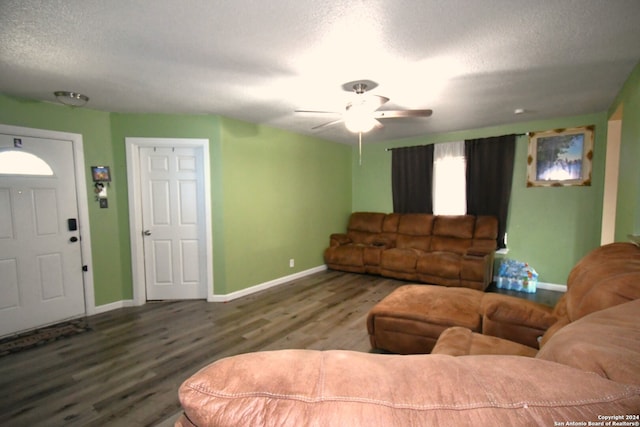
(305, 387)
(459, 341)
(479, 251)
(515, 319)
(476, 267)
(338, 239)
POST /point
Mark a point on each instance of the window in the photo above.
(14, 162)
(472, 176)
(449, 179)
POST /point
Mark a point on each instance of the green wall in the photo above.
(628, 200)
(278, 195)
(162, 126)
(275, 195)
(283, 196)
(551, 228)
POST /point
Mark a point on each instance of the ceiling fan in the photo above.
(362, 114)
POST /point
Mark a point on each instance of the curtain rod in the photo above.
(395, 148)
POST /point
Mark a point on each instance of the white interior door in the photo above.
(41, 279)
(172, 192)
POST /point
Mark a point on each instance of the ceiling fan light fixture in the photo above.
(358, 120)
(72, 99)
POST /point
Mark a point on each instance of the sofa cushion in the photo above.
(604, 253)
(606, 342)
(459, 226)
(606, 276)
(391, 222)
(458, 341)
(452, 233)
(515, 319)
(433, 304)
(363, 226)
(411, 318)
(414, 231)
(441, 264)
(416, 224)
(485, 236)
(332, 388)
(407, 241)
(604, 284)
(401, 259)
(486, 228)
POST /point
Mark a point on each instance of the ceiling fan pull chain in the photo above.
(360, 148)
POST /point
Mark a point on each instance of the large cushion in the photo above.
(604, 284)
(410, 319)
(606, 276)
(453, 233)
(515, 319)
(440, 264)
(399, 263)
(414, 231)
(458, 341)
(337, 388)
(363, 226)
(606, 342)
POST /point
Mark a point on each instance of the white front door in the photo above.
(41, 279)
(172, 192)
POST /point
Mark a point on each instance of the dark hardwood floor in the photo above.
(126, 371)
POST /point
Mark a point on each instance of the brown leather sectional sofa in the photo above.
(586, 372)
(414, 318)
(440, 250)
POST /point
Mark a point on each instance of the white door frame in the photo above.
(81, 195)
(135, 209)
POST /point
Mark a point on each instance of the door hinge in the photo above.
(85, 268)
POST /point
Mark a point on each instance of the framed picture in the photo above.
(101, 173)
(560, 158)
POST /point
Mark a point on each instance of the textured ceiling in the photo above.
(472, 62)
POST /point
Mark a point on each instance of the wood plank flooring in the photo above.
(126, 371)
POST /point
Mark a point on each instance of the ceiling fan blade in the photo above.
(367, 102)
(316, 112)
(401, 113)
(324, 125)
(376, 101)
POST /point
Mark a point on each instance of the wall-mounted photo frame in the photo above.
(101, 173)
(561, 157)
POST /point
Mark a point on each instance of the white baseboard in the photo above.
(222, 298)
(113, 306)
(276, 282)
(265, 285)
(546, 286)
(552, 287)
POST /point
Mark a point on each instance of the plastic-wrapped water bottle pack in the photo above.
(517, 276)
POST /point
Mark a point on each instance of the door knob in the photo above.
(146, 233)
(73, 239)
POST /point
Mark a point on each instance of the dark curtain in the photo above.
(411, 178)
(489, 177)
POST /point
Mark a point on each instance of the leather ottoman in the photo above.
(410, 319)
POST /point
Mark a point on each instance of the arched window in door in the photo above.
(17, 162)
